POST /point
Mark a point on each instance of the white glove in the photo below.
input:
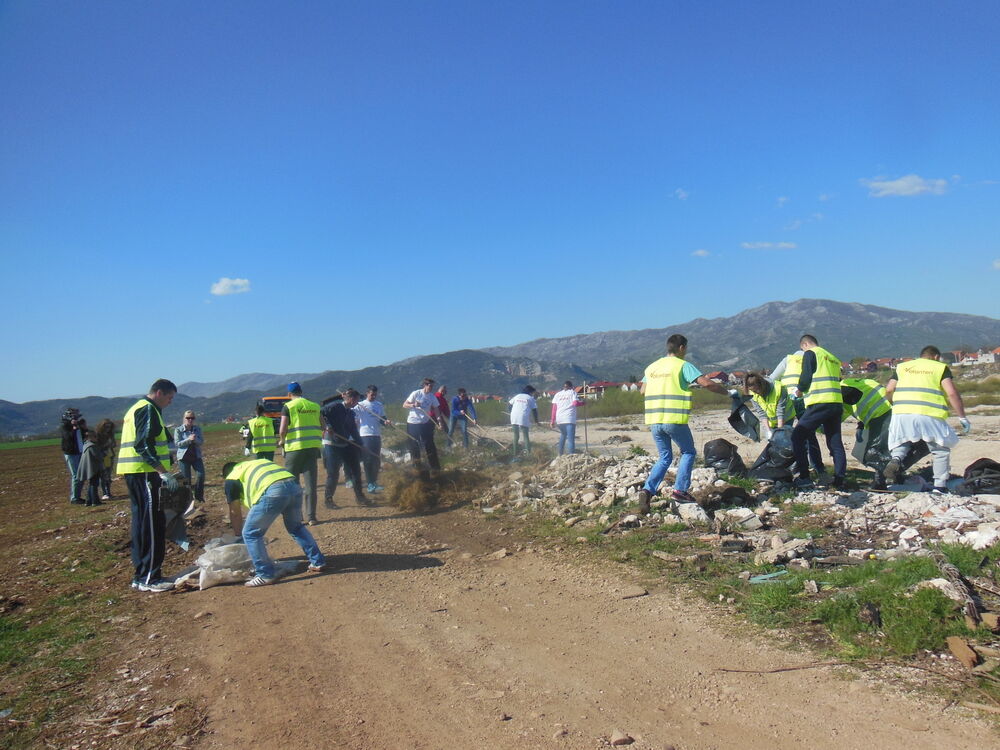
(795, 393)
(734, 393)
(966, 425)
(768, 434)
(246, 451)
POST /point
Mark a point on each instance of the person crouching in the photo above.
(267, 491)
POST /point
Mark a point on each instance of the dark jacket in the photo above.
(70, 442)
(340, 423)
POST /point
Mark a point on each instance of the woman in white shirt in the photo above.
(522, 408)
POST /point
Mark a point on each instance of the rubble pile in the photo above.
(588, 491)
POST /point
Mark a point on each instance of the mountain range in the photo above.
(755, 338)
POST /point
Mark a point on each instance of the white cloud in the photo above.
(681, 194)
(825, 196)
(225, 285)
(996, 265)
(701, 253)
(768, 245)
(782, 200)
(906, 186)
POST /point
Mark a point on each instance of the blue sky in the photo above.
(391, 179)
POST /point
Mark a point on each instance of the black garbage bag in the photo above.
(776, 461)
(983, 476)
(873, 448)
(743, 420)
(722, 456)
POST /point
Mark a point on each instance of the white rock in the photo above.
(949, 536)
(943, 585)
(692, 513)
(981, 538)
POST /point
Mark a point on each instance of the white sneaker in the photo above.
(155, 587)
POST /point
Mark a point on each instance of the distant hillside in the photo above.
(761, 336)
(254, 381)
(477, 371)
(754, 338)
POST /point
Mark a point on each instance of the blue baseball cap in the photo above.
(294, 387)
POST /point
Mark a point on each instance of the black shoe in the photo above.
(643, 502)
(838, 483)
(78, 501)
(803, 483)
(940, 491)
(892, 471)
(330, 504)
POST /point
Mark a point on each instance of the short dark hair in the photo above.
(228, 468)
(568, 384)
(756, 380)
(163, 385)
(260, 409)
(351, 393)
(371, 389)
(462, 391)
(808, 338)
(930, 351)
(529, 389)
(675, 342)
(427, 381)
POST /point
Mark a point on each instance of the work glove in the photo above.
(768, 434)
(733, 393)
(170, 482)
(966, 425)
(246, 451)
(859, 434)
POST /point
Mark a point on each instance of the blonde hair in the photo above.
(189, 413)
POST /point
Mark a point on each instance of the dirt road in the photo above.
(422, 637)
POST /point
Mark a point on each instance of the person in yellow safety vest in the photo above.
(819, 385)
(667, 391)
(261, 440)
(267, 491)
(921, 391)
(144, 461)
(865, 399)
(770, 403)
(787, 373)
(301, 436)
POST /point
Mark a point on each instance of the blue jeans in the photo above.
(567, 432)
(75, 485)
(282, 498)
(662, 435)
(463, 424)
(199, 467)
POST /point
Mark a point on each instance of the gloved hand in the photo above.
(966, 425)
(768, 434)
(170, 481)
(859, 435)
(733, 393)
(246, 451)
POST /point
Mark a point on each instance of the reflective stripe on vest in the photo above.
(873, 403)
(793, 369)
(825, 385)
(769, 404)
(667, 402)
(303, 425)
(918, 390)
(256, 476)
(129, 460)
(262, 432)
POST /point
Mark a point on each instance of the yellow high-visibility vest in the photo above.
(793, 368)
(918, 389)
(303, 425)
(129, 460)
(825, 385)
(769, 404)
(873, 403)
(262, 434)
(667, 402)
(256, 476)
